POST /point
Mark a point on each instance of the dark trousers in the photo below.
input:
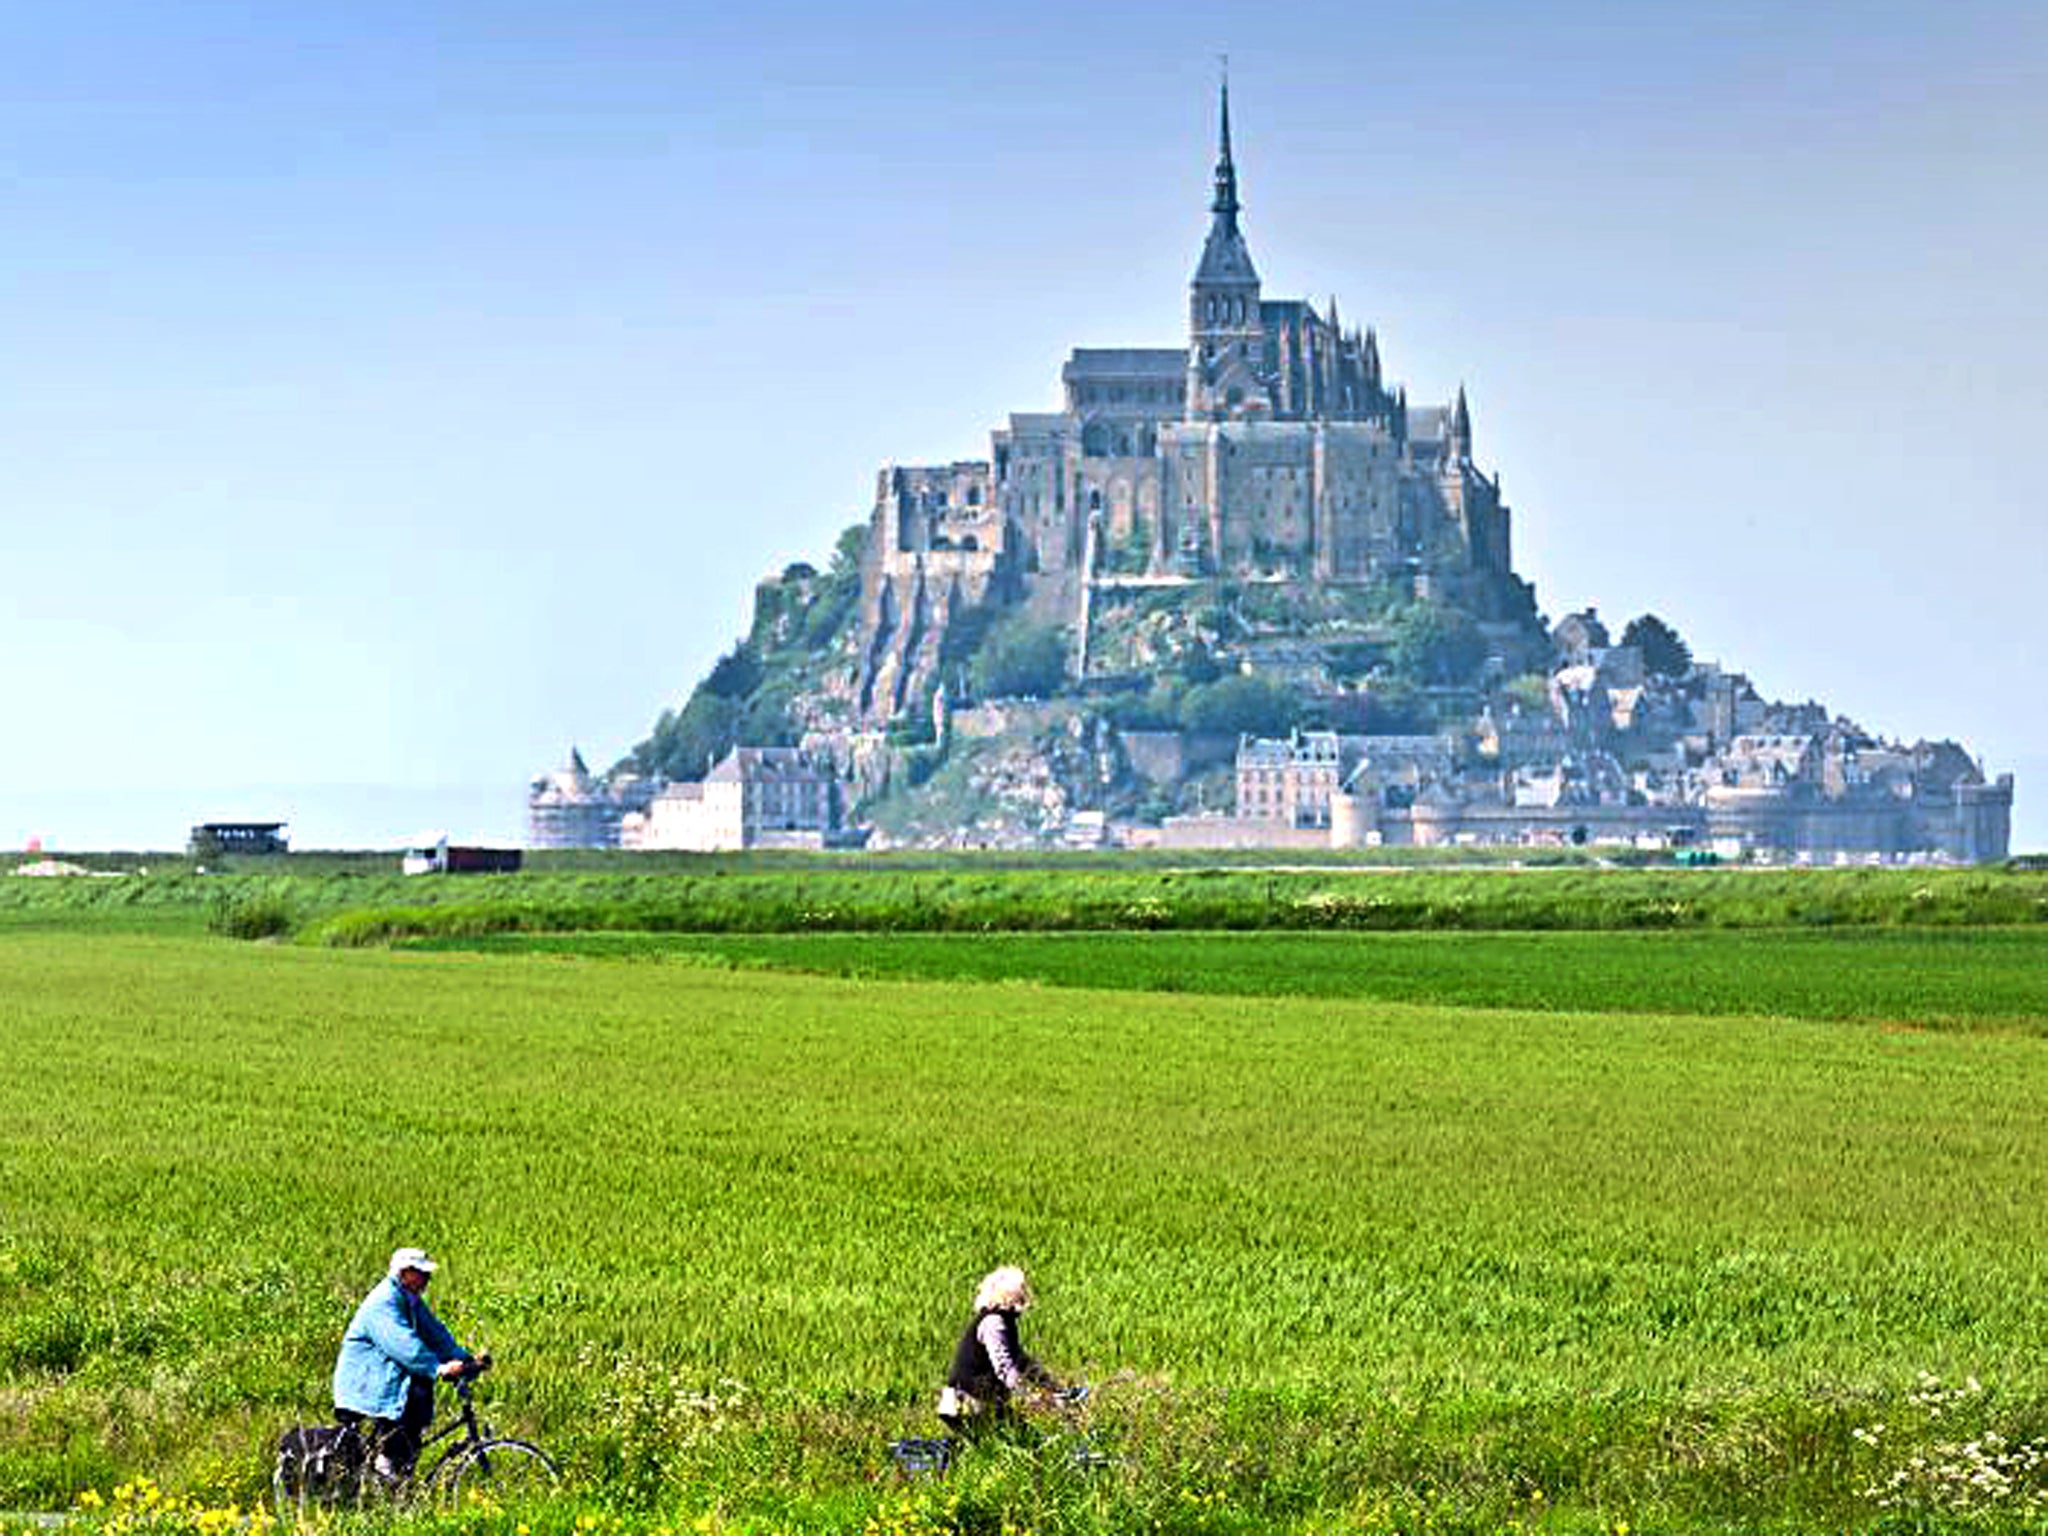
(398, 1439)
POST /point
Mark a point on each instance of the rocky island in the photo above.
(1238, 592)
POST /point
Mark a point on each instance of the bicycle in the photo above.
(928, 1456)
(334, 1465)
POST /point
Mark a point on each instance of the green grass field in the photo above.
(1360, 1231)
(1969, 978)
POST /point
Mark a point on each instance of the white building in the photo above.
(756, 797)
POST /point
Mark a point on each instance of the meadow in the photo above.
(1710, 1229)
(1904, 978)
(362, 901)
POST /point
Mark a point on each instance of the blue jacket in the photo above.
(393, 1338)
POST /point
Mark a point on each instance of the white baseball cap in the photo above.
(412, 1258)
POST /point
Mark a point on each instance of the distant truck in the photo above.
(441, 859)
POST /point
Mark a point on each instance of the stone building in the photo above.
(1577, 636)
(1268, 444)
(754, 797)
(1289, 781)
(1812, 791)
(1297, 782)
(569, 807)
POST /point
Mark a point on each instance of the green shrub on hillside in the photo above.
(1238, 705)
(265, 912)
(1021, 661)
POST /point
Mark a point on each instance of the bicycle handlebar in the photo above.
(472, 1368)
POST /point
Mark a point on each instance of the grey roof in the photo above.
(1426, 422)
(756, 764)
(1225, 257)
(1049, 423)
(1399, 746)
(1152, 362)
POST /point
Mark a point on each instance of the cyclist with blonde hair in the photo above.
(990, 1366)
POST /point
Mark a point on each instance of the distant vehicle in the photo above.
(439, 858)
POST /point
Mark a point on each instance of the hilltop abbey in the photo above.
(1256, 513)
(1269, 446)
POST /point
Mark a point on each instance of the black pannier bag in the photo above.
(317, 1459)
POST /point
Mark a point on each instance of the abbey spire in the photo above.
(1225, 258)
(1226, 332)
(1226, 173)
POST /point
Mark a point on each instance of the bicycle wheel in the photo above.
(501, 1473)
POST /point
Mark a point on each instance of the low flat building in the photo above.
(215, 839)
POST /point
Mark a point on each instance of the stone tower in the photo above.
(1226, 333)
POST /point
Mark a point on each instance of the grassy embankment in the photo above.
(1563, 1240)
(353, 904)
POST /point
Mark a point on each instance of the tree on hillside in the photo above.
(1437, 646)
(1664, 653)
(1021, 661)
(1238, 705)
(1395, 706)
(1194, 663)
(849, 550)
(735, 674)
(685, 743)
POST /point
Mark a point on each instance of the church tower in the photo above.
(1226, 339)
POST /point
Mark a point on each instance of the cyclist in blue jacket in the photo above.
(394, 1349)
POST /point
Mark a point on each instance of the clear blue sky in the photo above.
(395, 393)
